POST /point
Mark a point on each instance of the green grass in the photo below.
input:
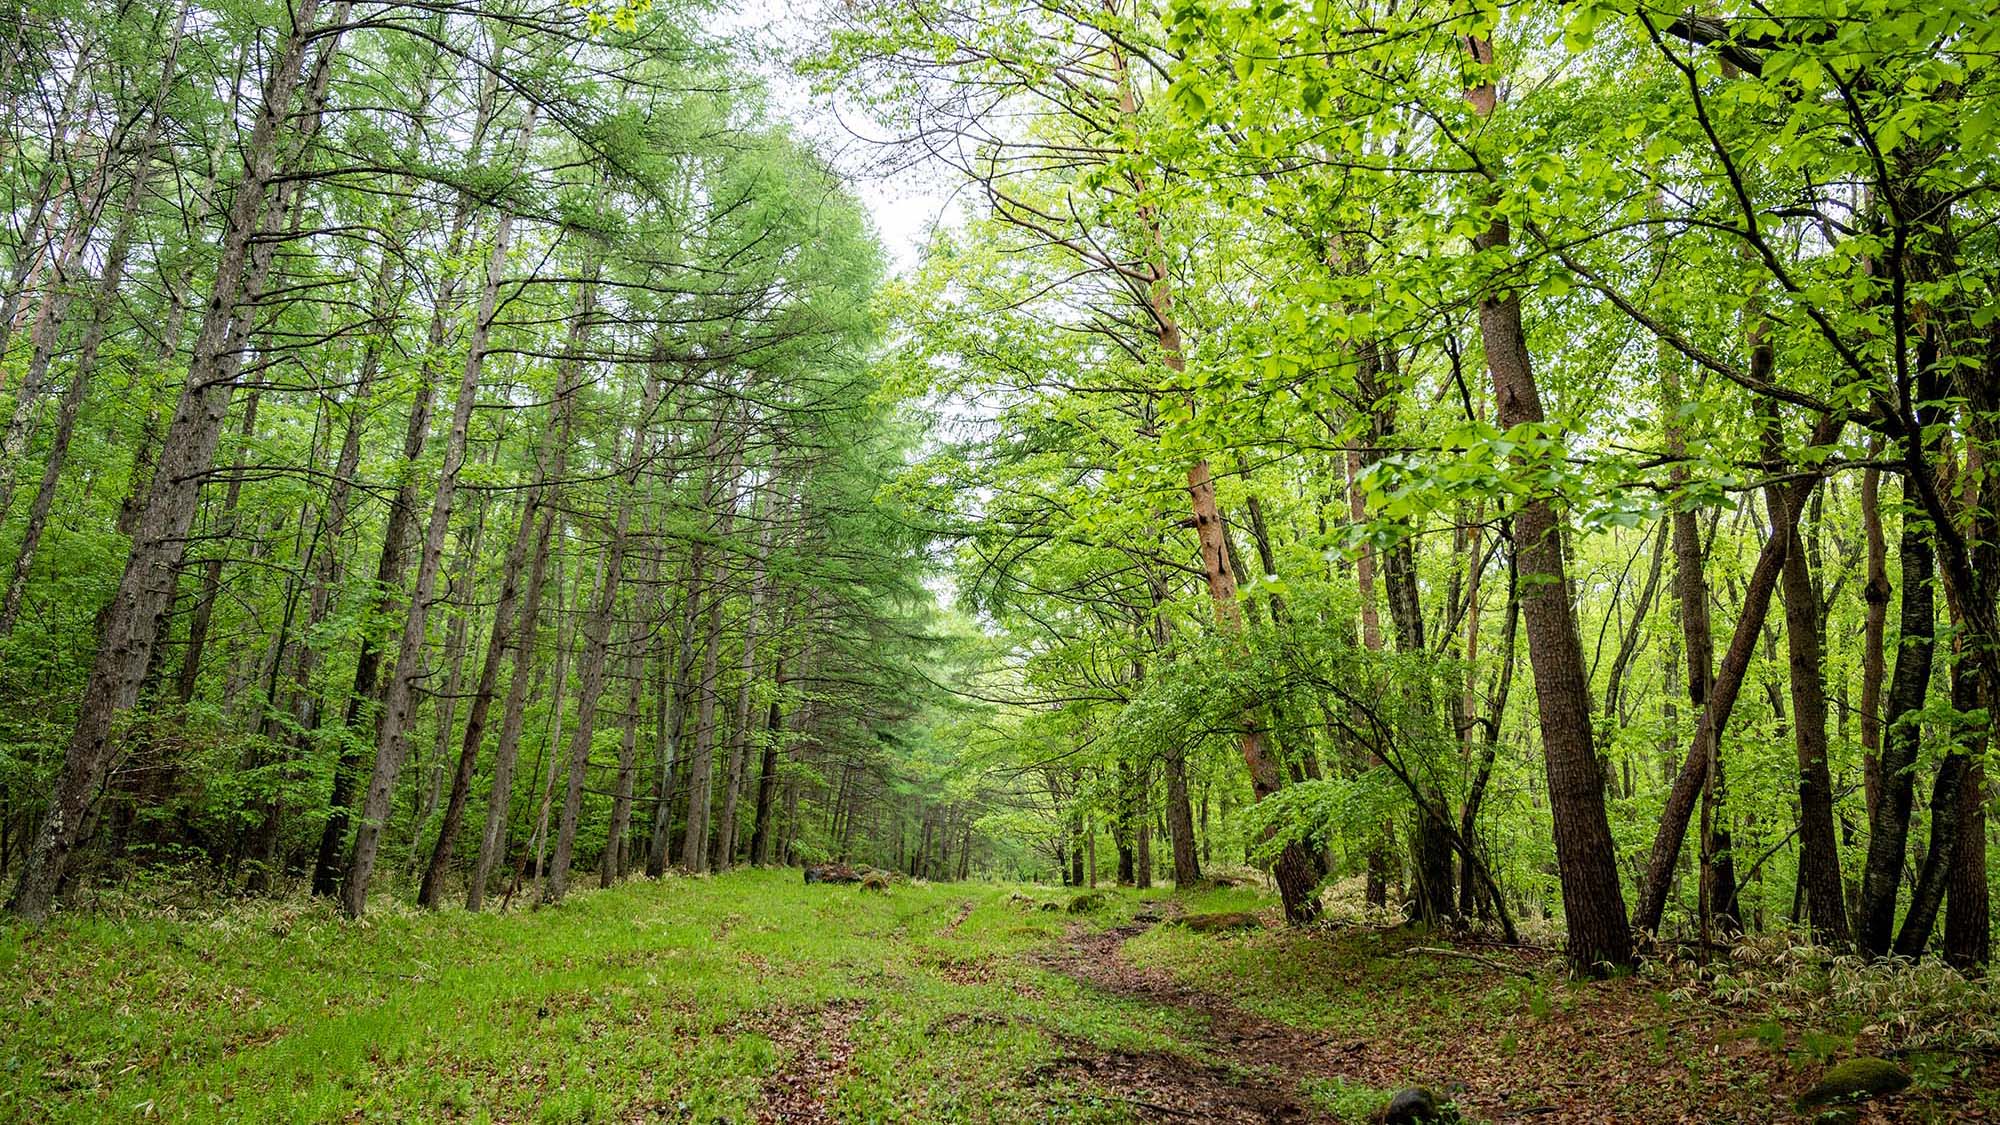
(680, 1000)
(650, 1000)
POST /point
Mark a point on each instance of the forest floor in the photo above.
(753, 998)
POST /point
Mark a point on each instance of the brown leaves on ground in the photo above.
(1602, 1053)
(818, 1052)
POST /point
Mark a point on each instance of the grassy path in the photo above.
(701, 1000)
(753, 998)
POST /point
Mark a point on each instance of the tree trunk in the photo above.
(116, 257)
(767, 773)
(1968, 921)
(1497, 712)
(701, 760)
(1180, 816)
(399, 702)
(613, 864)
(1819, 848)
(508, 616)
(673, 692)
(596, 655)
(211, 572)
(1297, 868)
(1947, 806)
(1586, 857)
(1715, 697)
(130, 624)
(539, 843)
(1889, 827)
(1873, 662)
(506, 751)
(1142, 826)
(724, 854)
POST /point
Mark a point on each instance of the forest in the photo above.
(1087, 560)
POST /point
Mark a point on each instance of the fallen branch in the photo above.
(1486, 961)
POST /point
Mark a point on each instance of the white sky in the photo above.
(905, 205)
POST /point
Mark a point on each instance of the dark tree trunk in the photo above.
(1497, 711)
(400, 700)
(767, 775)
(211, 571)
(701, 759)
(724, 854)
(1586, 856)
(1968, 921)
(1889, 827)
(1947, 808)
(597, 650)
(1873, 661)
(673, 693)
(1716, 697)
(506, 619)
(1819, 848)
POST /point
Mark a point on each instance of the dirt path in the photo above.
(1259, 1064)
(1262, 1063)
(820, 1053)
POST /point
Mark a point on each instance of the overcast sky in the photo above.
(905, 205)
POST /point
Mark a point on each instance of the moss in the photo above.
(1855, 1080)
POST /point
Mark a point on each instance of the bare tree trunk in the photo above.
(1716, 696)
(1180, 816)
(211, 573)
(673, 692)
(1377, 884)
(507, 617)
(1297, 869)
(47, 333)
(1475, 796)
(389, 565)
(1947, 807)
(493, 838)
(1968, 919)
(613, 865)
(540, 842)
(1142, 826)
(767, 773)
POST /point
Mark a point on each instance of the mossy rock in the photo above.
(1853, 1081)
(1084, 904)
(1414, 1106)
(1218, 923)
(875, 881)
